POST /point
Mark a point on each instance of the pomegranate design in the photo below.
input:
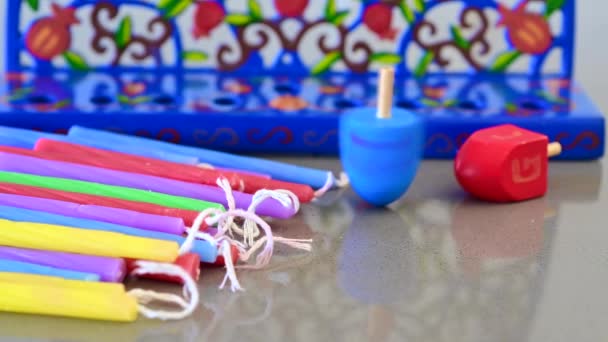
(288, 103)
(528, 32)
(330, 89)
(378, 18)
(434, 92)
(290, 8)
(50, 36)
(134, 88)
(239, 88)
(207, 16)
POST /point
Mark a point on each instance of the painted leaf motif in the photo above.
(255, 11)
(552, 6)
(407, 12)
(430, 103)
(450, 103)
(61, 104)
(33, 4)
(330, 9)
(123, 99)
(238, 19)
(420, 6)
(326, 62)
(550, 97)
(511, 107)
(338, 19)
(423, 63)
(177, 7)
(194, 56)
(75, 61)
(164, 4)
(20, 93)
(459, 39)
(385, 58)
(123, 34)
(140, 99)
(505, 59)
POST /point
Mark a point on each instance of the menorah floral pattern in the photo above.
(296, 36)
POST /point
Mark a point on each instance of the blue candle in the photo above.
(26, 267)
(206, 251)
(281, 171)
(24, 138)
(144, 151)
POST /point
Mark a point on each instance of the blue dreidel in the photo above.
(381, 150)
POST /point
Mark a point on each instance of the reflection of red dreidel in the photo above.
(518, 232)
(505, 164)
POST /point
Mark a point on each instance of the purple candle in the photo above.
(36, 166)
(165, 224)
(109, 269)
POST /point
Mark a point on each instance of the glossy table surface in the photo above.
(437, 266)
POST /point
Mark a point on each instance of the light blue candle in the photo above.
(206, 251)
(24, 138)
(29, 268)
(144, 151)
(281, 171)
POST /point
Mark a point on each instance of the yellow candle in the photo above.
(23, 278)
(67, 300)
(82, 241)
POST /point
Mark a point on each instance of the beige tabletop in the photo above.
(437, 266)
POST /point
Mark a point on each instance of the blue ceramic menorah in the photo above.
(275, 75)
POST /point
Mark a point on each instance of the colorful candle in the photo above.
(189, 262)
(7, 265)
(188, 216)
(25, 138)
(84, 241)
(131, 149)
(146, 152)
(108, 269)
(282, 171)
(204, 249)
(80, 154)
(107, 190)
(162, 186)
(25, 278)
(68, 298)
(164, 224)
(18, 137)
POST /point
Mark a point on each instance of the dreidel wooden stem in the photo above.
(554, 149)
(385, 93)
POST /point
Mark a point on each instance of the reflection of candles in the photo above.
(485, 231)
(380, 323)
(378, 266)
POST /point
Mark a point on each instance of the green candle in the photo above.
(107, 191)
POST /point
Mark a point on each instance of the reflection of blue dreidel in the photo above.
(381, 151)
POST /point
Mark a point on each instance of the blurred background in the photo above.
(591, 55)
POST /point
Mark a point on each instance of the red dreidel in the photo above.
(505, 164)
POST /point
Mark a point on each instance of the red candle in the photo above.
(189, 262)
(74, 153)
(9, 188)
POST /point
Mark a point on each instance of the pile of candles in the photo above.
(81, 212)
